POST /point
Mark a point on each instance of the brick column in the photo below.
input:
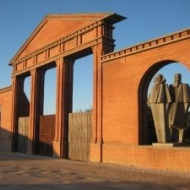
(97, 138)
(17, 87)
(63, 106)
(36, 109)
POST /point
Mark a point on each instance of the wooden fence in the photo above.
(79, 135)
(46, 134)
(23, 127)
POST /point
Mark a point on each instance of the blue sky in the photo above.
(146, 19)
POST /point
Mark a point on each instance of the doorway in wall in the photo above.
(80, 118)
(23, 119)
(47, 116)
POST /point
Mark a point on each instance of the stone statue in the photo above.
(158, 101)
(180, 94)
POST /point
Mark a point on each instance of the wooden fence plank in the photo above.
(79, 135)
(23, 127)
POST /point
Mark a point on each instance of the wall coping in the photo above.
(153, 43)
(5, 89)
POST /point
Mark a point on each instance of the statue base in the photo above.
(175, 144)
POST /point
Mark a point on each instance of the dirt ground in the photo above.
(21, 172)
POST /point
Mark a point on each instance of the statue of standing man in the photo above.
(180, 94)
(158, 101)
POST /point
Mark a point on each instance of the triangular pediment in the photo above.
(54, 27)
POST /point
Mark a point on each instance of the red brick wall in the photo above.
(46, 134)
(6, 115)
(122, 77)
(118, 111)
(149, 157)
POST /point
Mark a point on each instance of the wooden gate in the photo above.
(79, 135)
(23, 127)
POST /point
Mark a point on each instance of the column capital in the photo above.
(33, 71)
(59, 61)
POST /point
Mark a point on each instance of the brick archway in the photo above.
(146, 128)
(75, 36)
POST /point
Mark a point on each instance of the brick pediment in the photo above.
(54, 27)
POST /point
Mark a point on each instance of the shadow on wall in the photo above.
(79, 135)
(44, 143)
(5, 140)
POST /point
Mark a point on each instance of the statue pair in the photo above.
(169, 106)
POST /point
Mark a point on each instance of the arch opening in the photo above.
(168, 68)
(49, 92)
(26, 95)
(82, 84)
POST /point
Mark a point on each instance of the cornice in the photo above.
(71, 52)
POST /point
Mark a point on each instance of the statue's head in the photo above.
(159, 78)
(177, 77)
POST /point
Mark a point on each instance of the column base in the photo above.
(5, 145)
(14, 144)
(175, 144)
(60, 149)
(31, 147)
(95, 152)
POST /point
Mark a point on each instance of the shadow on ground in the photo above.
(95, 186)
(21, 171)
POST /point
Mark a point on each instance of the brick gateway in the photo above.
(120, 84)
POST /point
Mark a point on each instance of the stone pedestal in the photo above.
(175, 144)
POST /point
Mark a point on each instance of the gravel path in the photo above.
(20, 171)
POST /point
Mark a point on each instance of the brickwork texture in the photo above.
(120, 86)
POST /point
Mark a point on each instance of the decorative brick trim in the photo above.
(184, 34)
(60, 41)
(2, 90)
